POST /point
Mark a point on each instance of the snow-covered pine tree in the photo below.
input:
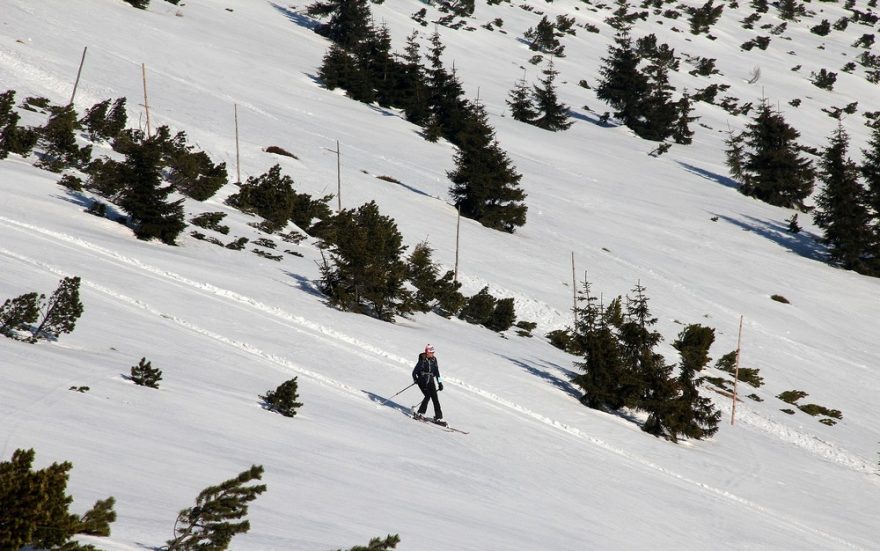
(842, 209)
(217, 515)
(552, 115)
(283, 399)
(60, 312)
(485, 184)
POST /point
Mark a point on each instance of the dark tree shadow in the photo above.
(305, 284)
(77, 198)
(805, 244)
(558, 382)
(298, 18)
(409, 187)
(717, 178)
(592, 118)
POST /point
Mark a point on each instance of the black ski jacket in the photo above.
(426, 371)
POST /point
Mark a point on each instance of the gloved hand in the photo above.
(440, 387)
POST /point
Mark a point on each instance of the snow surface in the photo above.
(538, 470)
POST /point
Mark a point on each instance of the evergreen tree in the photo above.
(842, 209)
(12, 138)
(772, 168)
(658, 114)
(60, 313)
(349, 23)
(140, 4)
(681, 132)
(448, 109)
(503, 315)
(216, 516)
(105, 122)
(485, 185)
(479, 308)
(375, 57)
(790, 9)
(423, 274)
(622, 85)
(870, 169)
(553, 115)
(194, 175)
(602, 366)
(59, 139)
(449, 298)
(18, 313)
(459, 8)
(269, 195)
(520, 102)
(413, 93)
(704, 17)
(283, 399)
(144, 197)
(690, 414)
(367, 272)
(542, 38)
(34, 507)
(144, 374)
(646, 382)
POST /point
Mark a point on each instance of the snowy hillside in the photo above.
(537, 470)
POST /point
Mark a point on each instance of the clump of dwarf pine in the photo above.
(283, 399)
(211, 221)
(431, 289)
(750, 376)
(60, 312)
(58, 137)
(105, 122)
(13, 139)
(144, 374)
(488, 311)
(218, 513)
(378, 544)
(34, 507)
(271, 196)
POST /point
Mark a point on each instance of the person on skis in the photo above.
(424, 375)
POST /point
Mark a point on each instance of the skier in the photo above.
(424, 375)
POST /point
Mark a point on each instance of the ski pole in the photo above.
(382, 403)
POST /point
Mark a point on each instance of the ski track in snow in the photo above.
(809, 443)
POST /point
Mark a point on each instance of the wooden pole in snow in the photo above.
(736, 371)
(78, 73)
(574, 293)
(457, 227)
(237, 150)
(146, 103)
(338, 178)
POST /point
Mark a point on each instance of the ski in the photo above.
(441, 425)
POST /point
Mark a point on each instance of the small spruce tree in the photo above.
(216, 517)
(520, 102)
(378, 544)
(479, 308)
(692, 415)
(551, 113)
(542, 38)
(283, 399)
(423, 274)
(58, 137)
(144, 374)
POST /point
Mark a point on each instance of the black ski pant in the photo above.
(430, 393)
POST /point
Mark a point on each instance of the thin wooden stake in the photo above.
(457, 227)
(736, 371)
(574, 291)
(146, 103)
(78, 73)
(338, 178)
(237, 150)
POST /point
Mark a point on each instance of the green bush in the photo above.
(144, 374)
(792, 396)
(283, 399)
(211, 221)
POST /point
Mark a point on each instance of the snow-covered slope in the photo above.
(538, 470)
